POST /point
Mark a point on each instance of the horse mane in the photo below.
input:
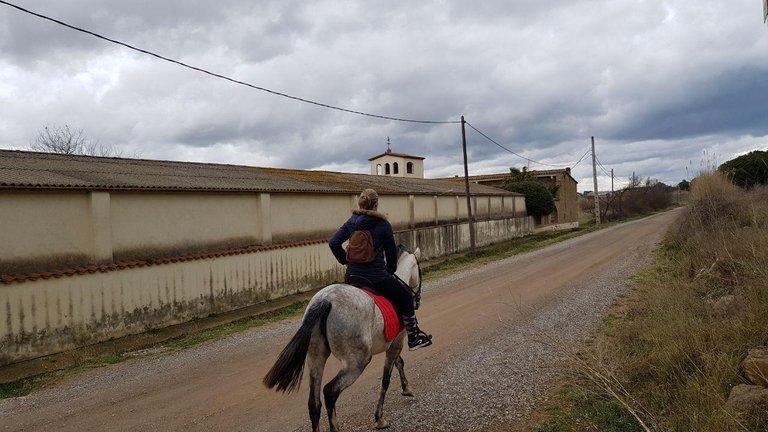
(400, 250)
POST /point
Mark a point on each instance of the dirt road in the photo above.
(485, 371)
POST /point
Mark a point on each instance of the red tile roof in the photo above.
(22, 277)
(403, 155)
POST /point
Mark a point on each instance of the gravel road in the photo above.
(486, 371)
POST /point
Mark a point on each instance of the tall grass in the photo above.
(699, 312)
(677, 343)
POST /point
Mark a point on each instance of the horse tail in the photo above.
(287, 370)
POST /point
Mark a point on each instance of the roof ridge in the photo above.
(27, 170)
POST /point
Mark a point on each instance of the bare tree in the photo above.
(64, 140)
(634, 181)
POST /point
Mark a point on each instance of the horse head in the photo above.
(409, 272)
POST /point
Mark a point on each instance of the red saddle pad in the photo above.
(392, 324)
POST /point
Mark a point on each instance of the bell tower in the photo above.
(394, 164)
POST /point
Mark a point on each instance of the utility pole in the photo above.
(612, 201)
(594, 182)
(466, 187)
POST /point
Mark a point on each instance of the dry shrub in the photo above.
(680, 356)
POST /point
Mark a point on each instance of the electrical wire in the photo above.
(602, 167)
(277, 93)
(581, 158)
(512, 152)
(606, 170)
(207, 72)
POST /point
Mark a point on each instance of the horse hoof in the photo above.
(408, 393)
(382, 424)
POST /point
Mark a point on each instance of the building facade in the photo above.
(393, 164)
(566, 214)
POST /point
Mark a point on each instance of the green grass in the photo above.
(513, 247)
(194, 339)
(25, 386)
(519, 246)
(15, 389)
(500, 251)
(582, 410)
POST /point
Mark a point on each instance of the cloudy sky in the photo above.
(665, 86)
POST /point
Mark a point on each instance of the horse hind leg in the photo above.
(350, 372)
(317, 355)
(400, 364)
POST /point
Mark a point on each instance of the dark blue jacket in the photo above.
(383, 241)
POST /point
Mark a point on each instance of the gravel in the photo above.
(497, 384)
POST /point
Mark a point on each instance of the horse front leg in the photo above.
(385, 378)
(400, 364)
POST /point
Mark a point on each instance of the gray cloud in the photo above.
(733, 102)
(657, 82)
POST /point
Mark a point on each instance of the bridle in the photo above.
(415, 291)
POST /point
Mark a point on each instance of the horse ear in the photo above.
(417, 253)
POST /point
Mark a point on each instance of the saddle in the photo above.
(392, 324)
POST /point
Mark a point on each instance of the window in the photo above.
(395, 168)
(409, 168)
(378, 169)
(386, 169)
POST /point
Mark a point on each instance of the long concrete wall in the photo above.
(52, 314)
(54, 228)
(43, 231)
(82, 267)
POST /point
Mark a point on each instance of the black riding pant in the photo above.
(396, 292)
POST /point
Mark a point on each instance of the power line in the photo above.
(581, 158)
(510, 151)
(599, 163)
(207, 72)
(605, 170)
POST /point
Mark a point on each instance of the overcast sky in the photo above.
(666, 87)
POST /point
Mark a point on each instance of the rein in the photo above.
(415, 292)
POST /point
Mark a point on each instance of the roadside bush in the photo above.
(654, 196)
(538, 199)
(630, 201)
(747, 170)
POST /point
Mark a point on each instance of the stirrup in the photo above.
(421, 340)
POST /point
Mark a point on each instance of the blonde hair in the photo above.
(368, 199)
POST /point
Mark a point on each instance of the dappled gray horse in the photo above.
(344, 321)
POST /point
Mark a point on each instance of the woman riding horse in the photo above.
(344, 321)
(379, 271)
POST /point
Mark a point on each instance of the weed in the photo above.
(194, 339)
(579, 409)
(502, 250)
(15, 389)
(671, 351)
